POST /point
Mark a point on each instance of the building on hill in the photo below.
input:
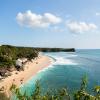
(20, 62)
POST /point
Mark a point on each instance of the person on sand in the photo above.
(13, 80)
(36, 62)
(22, 80)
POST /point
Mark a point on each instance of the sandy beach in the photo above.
(31, 69)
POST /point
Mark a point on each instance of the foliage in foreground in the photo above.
(61, 94)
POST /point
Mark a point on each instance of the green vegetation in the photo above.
(26, 52)
(61, 94)
(9, 54)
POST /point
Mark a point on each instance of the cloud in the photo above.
(97, 14)
(80, 27)
(32, 20)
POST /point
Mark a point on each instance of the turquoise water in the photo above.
(67, 71)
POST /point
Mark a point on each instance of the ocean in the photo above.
(67, 71)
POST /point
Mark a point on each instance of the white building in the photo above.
(20, 62)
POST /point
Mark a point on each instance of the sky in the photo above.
(50, 23)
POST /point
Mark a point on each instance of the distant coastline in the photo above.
(57, 49)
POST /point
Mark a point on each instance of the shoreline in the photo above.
(20, 78)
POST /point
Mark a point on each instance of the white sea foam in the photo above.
(62, 61)
(73, 55)
(43, 70)
(58, 61)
